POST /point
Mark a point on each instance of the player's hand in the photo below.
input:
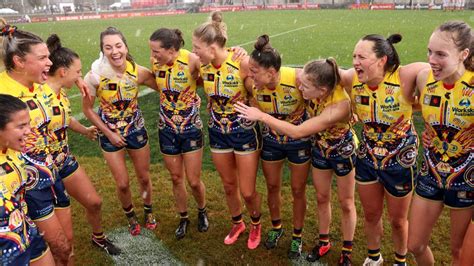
(91, 132)
(239, 53)
(426, 139)
(81, 84)
(249, 113)
(117, 140)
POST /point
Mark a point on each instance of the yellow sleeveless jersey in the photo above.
(15, 226)
(284, 102)
(386, 116)
(333, 136)
(224, 87)
(449, 117)
(37, 150)
(59, 124)
(178, 98)
(118, 99)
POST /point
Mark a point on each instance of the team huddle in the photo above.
(258, 111)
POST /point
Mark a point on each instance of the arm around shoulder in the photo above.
(346, 77)
(146, 77)
(408, 78)
(194, 65)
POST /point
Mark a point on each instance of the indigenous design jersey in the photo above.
(118, 99)
(284, 102)
(331, 138)
(449, 119)
(37, 150)
(179, 110)
(224, 87)
(16, 228)
(59, 124)
(387, 118)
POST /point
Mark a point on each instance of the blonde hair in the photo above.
(213, 31)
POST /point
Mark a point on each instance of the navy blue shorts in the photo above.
(69, 166)
(341, 157)
(398, 182)
(297, 152)
(459, 194)
(395, 173)
(241, 142)
(172, 143)
(38, 247)
(40, 203)
(22, 259)
(135, 141)
(342, 166)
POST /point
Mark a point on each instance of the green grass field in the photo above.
(299, 36)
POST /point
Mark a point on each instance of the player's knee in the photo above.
(347, 205)
(372, 217)
(177, 179)
(399, 224)
(123, 187)
(95, 204)
(298, 192)
(323, 198)
(273, 188)
(249, 196)
(415, 247)
(195, 185)
(230, 189)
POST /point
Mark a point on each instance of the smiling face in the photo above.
(13, 135)
(35, 64)
(368, 67)
(72, 73)
(261, 76)
(115, 50)
(161, 55)
(203, 51)
(309, 90)
(444, 57)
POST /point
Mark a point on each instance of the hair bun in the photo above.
(263, 43)
(54, 43)
(216, 17)
(394, 38)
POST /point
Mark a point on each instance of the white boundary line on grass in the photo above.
(147, 91)
(281, 33)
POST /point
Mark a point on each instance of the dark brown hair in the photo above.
(168, 38)
(9, 105)
(115, 31)
(384, 47)
(264, 54)
(59, 55)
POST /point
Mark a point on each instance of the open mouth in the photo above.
(436, 71)
(44, 75)
(117, 59)
(22, 142)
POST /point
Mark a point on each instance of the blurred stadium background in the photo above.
(54, 10)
